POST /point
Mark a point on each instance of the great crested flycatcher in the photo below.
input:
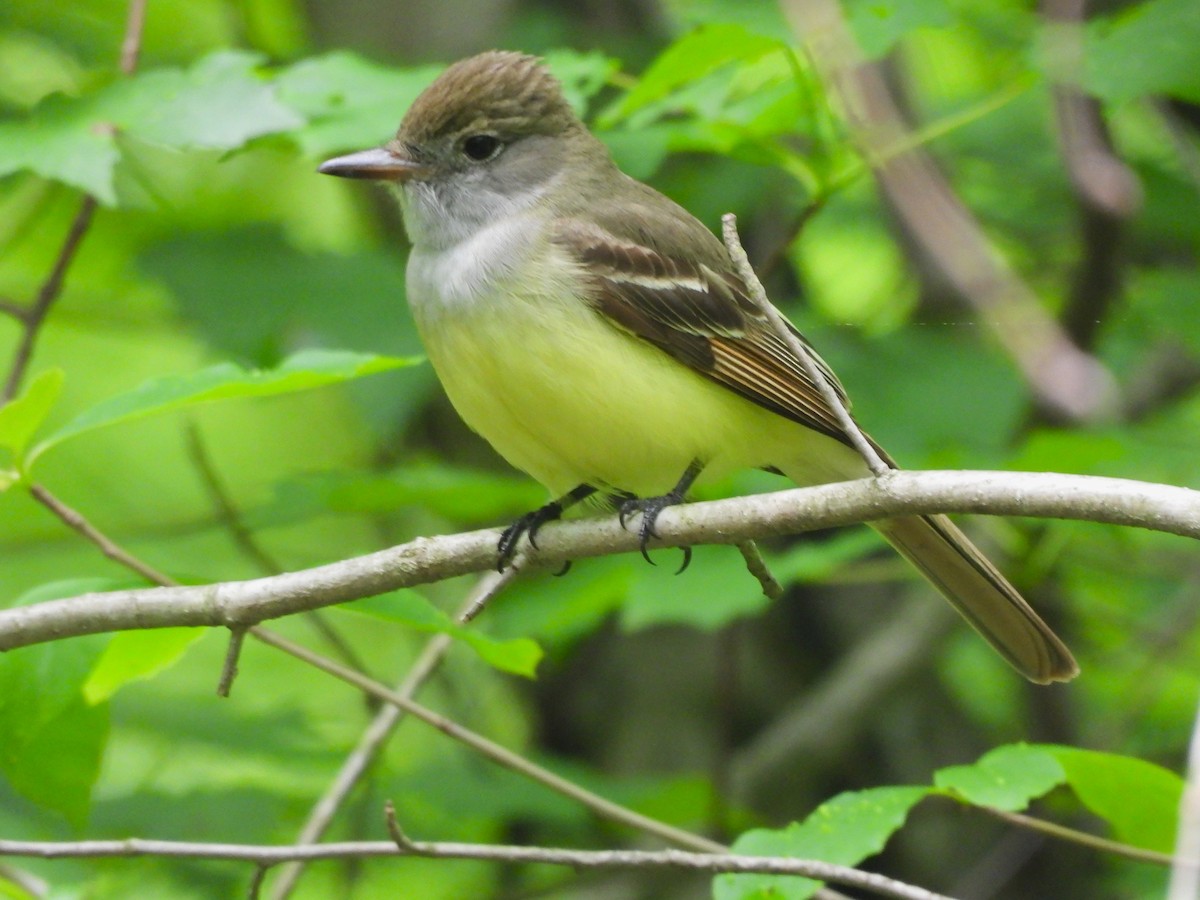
(597, 335)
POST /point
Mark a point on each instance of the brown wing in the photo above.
(701, 317)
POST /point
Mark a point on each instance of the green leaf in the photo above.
(583, 75)
(1005, 778)
(133, 655)
(844, 830)
(1139, 799)
(760, 16)
(20, 417)
(1150, 49)
(58, 764)
(302, 371)
(693, 56)
(219, 103)
(349, 102)
(880, 24)
(519, 656)
(53, 738)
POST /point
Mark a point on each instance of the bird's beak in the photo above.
(379, 164)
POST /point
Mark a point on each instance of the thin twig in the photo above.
(493, 751)
(829, 394)
(757, 566)
(1116, 501)
(108, 547)
(267, 855)
(378, 731)
(821, 871)
(489, 586)
(51, 288)
(25, 881)
(1185, 872)
(131, 44)
(227, 512)
(16, 310)
(1082, 838)
(229, 669)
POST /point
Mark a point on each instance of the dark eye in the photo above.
(480, 147)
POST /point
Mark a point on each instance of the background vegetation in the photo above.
(215, 250)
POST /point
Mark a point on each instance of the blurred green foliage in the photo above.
(221, 268)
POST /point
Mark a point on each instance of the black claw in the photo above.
(528, 525)
(566, 567)
(687, 560)
(650, 508)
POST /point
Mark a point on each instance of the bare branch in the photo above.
(229, 669)
(1074, 836)
(131, 44)
(227, 512)
(18, 312)
(757, 566)
(25, 881)
(35, 315)
(1040, 494)
(268, 855)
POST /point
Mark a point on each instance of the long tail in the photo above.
(973, 585)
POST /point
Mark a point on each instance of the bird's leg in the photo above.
(529, 523)
(650, 507)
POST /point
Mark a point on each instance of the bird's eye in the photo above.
(481, 147)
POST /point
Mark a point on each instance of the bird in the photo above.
(598, 336)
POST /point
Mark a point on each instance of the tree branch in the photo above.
(36, 314)
(1116, 501)
(1075, 836)
(268, 855)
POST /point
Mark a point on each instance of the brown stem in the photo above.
(76, 520)
(51, 288)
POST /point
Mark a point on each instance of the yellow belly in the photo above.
(567, 397)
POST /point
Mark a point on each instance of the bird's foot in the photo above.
(650, 508)
(529, 524)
